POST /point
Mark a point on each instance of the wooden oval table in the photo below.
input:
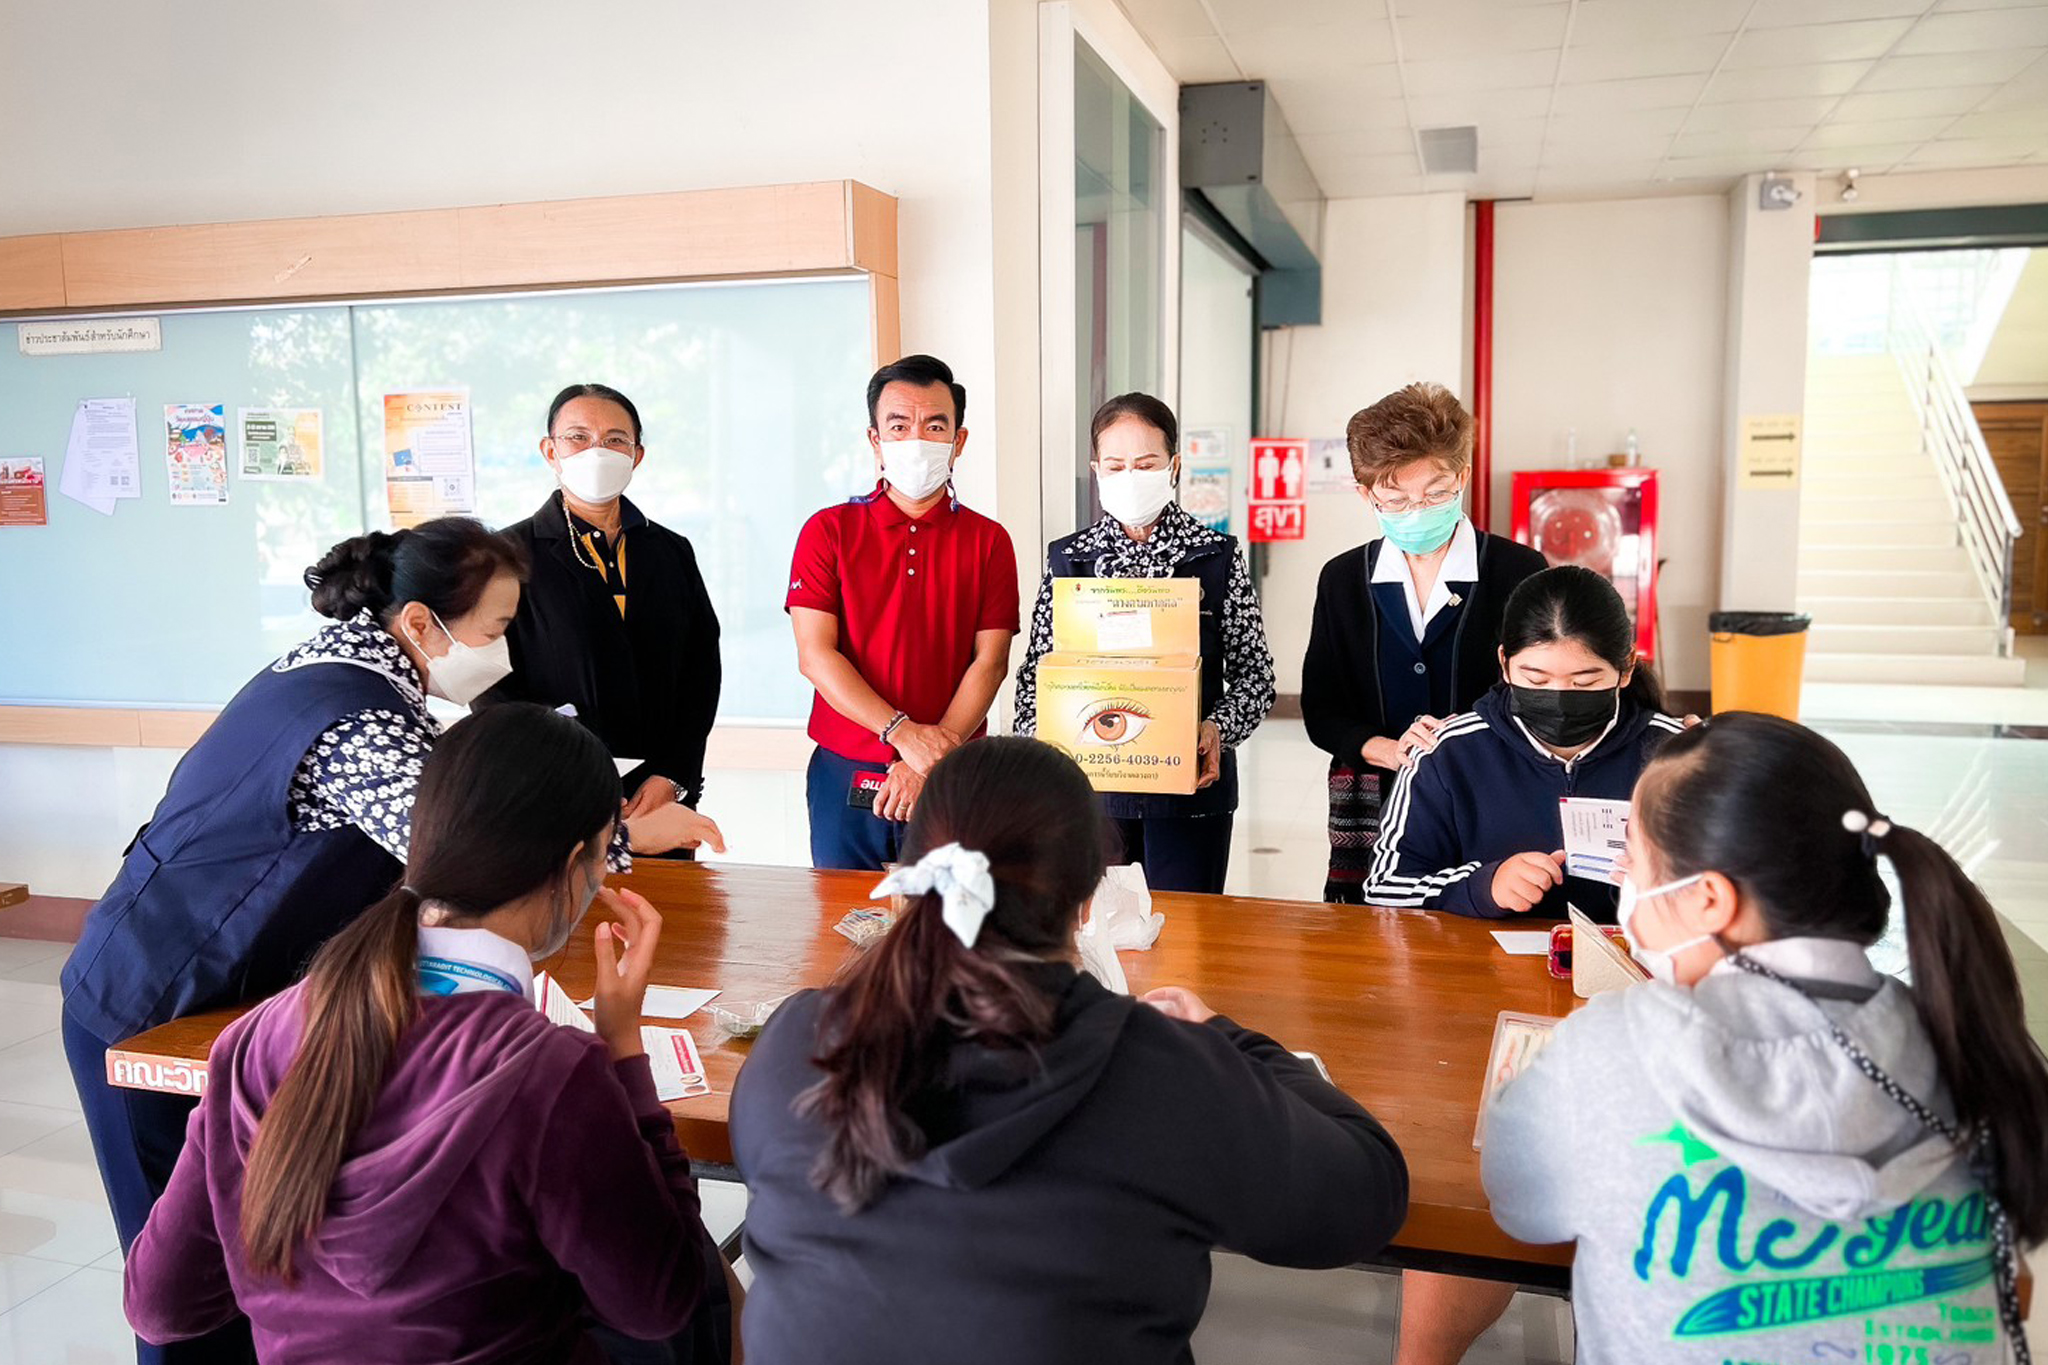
(1399, 1005)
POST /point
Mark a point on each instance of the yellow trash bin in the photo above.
(1758, 660)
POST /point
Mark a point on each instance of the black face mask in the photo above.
(1565, 717)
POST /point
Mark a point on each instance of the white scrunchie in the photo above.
(967, 893)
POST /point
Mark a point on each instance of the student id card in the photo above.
(1595, 836)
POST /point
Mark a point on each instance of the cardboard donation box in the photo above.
(1121, 691)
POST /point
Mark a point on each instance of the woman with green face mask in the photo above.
(1406, 626)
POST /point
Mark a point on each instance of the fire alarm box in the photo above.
(1604, 520)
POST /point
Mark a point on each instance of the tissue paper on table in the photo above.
(1122, 908)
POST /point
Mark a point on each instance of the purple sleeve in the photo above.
(176, 1281)
(615, 1202)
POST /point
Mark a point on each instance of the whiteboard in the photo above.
(752, 398)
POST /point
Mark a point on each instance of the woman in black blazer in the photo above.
(1407, 627)
(615, 620)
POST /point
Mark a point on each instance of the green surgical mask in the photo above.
(1423, 530)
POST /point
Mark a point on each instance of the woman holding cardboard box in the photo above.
(1182, 837)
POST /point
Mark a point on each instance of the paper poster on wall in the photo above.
(22, 493)
(102, 459)
(1329, 467)
(278, 445)
(429, 465)
(196, 453)
(1205, 476)
(113, 335)
(1770, 451)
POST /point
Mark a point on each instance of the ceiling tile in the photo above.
(1481, 107)
(2028, 89)
(1786, 13)
(1978, 31)
(1401, 170)
(1499, 71)
(1648, 147)
(1633, 122)
(1478, 11)
(1737, 141)
(1343, 182)
(1328, 50)
(1877, 133)
(1948, 68)
(1809, 44)
(1526, 28)
(1616, 22)
(1975, 151)
(1161, 19)
(1648, 57)
(1710, 118)
(1712, 167)
(1507, 160)
(1785, 82)
(1510, 185)
(1944, 6)
(2022, 123)
(1870, 159)
(1196, 61)
(1330, 105)
(1237, 16)
(1369, 142)
(1885, 104)
(1646, 92)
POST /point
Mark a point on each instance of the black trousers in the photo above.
(136, 1138)
(1180, 853)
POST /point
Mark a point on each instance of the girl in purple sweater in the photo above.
(400, 1159)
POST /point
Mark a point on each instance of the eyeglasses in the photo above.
(1428, 501)
(580, 441)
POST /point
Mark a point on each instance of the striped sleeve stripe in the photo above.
(1383, 877)
(1661, 721)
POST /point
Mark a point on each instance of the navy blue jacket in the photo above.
(220, 899)
(1484, 794)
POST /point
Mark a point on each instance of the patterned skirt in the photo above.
(1355, 797)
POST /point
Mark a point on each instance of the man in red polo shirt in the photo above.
(904, 604)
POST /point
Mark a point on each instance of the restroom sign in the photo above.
(1279, 482)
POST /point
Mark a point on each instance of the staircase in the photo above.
(1882, 566)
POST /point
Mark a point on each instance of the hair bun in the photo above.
(354, 576)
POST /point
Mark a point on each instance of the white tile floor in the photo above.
(60, 1287)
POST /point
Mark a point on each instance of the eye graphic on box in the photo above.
(1113, 720)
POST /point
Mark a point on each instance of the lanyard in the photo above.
(445, 975)
(1983, 1162)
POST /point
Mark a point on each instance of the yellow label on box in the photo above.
(1153, 617)
(1129, 722)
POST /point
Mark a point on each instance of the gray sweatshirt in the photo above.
(1739, 1191)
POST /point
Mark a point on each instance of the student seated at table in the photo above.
(1771, 1151)
(969, 1151)
(1473, 825)
(400, 1159)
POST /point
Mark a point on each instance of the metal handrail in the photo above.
(1949, 435)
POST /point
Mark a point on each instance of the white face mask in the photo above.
(1660, 963)
(567, 916)
(596, 474)
(1135, 497)
(466, 672)
(917, 469)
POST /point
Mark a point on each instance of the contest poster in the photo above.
(279, 445)
(196, 453)
(23, 497)
(429, 463)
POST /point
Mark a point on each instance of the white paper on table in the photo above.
(550, 999)
(678, 1068)
(1523, 942)
(1119, 632)
(1595, 836)
(667, 1002)
(102, 463)
(1099, 959)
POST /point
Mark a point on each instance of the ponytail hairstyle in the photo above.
(604, 391)
(445, 563)
(1761, 800)
(501, 803)
(885, 1031)
(1571, 603)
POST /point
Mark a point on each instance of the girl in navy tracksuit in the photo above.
(1473, 824)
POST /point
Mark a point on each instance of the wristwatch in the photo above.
(680, 793)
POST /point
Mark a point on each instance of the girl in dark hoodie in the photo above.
(1473, 825)
(971, 1151)
(400, 1159)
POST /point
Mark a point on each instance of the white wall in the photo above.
(1609, 315)
(1393, 291)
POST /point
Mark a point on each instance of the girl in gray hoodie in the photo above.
(1770, 1152)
